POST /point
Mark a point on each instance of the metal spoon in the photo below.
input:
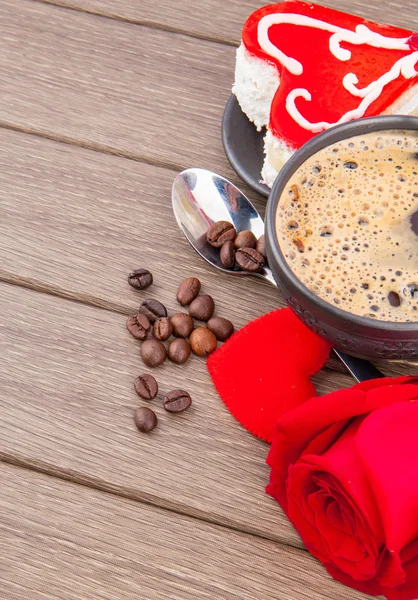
(201, 198)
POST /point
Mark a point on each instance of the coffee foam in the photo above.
(347, 224)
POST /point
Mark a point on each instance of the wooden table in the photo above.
(102, 102)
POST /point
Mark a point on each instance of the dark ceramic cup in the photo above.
(359, 336)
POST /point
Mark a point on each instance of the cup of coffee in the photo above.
(342, 236)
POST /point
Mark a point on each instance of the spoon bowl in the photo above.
(200, 198)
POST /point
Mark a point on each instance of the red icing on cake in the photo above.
(322, 72)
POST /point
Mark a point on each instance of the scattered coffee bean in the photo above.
(222, 328)
(153, 310)
(162, 328)
(146, 386)
(153, 353)
(188, 290)
(261, 246)
(220, 232)
(227, 254)
(140, 279)
(145, 419)
(177, 401)
(203, 341)
(183, 325)
(138, 326)
(245, 239)
(179, 351)
(249, 260)
(202, 307)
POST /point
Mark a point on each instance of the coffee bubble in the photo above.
(347, 223)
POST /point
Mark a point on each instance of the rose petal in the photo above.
(357, 552)
(410, 552)
(277, 483)
(387, 443)
(308, 423)
(338, 475)
(338, 517)
(371, 587)
(301, 514)
(409, 590)
(340, 544)
(330, 426)
(342, 461)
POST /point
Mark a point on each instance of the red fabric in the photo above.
(263, 371)
(344, 467)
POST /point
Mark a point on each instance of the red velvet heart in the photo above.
(328, 46)
(263, 371)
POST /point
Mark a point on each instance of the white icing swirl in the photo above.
(362, 35)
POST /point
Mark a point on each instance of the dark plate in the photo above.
(243, 146)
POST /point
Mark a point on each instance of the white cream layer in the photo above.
(256, 82)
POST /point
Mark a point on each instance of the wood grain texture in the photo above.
(66, 542)
(67, 403)
(119, 87)
(208, 21)
(77, 222)
(143, 93)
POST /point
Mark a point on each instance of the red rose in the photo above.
(344, 467)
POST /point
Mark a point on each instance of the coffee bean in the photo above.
(222, 328)
(261, 246)
(145, 419)
(245, 239)
(202, 307)
(146, 386)
(177, 401)
(183, 325)
(249, 260)
(220, 232)
(227, 254)
(140, 279)
(188, 290)
(138, 326)
(179, 351)
(153, 353)
(203, 341)
(162, 328)
(153, 310)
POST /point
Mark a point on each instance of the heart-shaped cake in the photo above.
(302, 68)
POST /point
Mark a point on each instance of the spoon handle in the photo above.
(267, 274)
(360, 369)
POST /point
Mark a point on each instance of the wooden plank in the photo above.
(123, 88)
(225, 23)
(66, 212)
(64, 541)
(127, 89)
(67, 402)
(77, 222)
